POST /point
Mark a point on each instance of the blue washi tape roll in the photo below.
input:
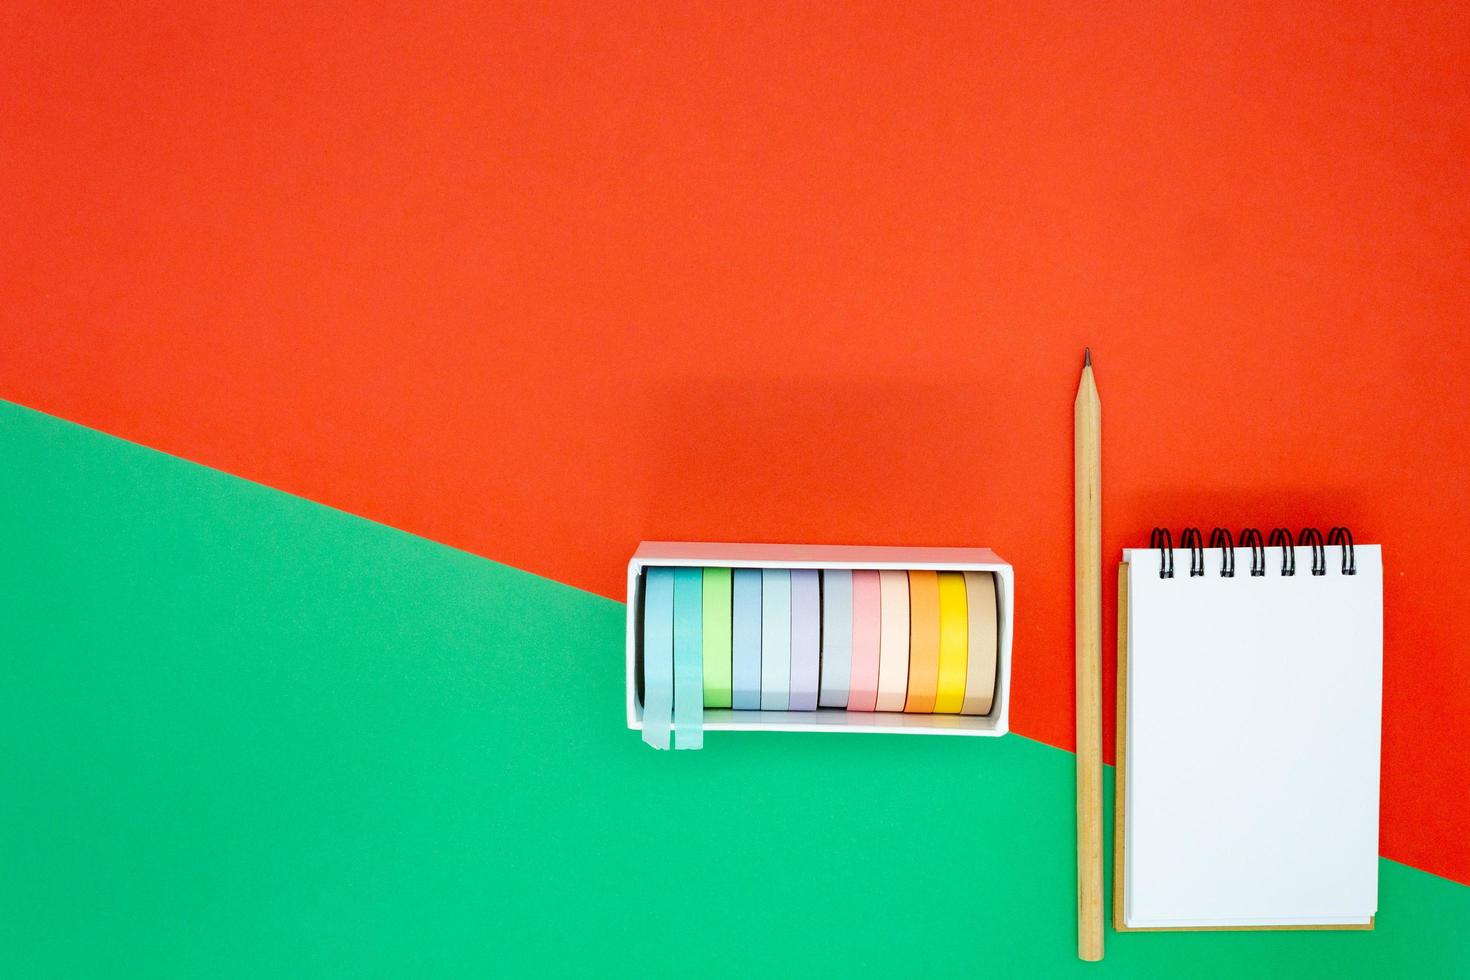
(806, 638)
(658, 656)
(775, 639)
(688, 658)
(745, 639)
(836, 636)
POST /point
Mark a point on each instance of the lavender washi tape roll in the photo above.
(806, 638)
(836, 665)
(745, 639)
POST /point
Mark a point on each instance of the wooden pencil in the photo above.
(1087, 444)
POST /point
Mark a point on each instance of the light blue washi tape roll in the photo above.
(775, 639)
(806, 638)
(745, 639)
(658, 655)
(836, 636)
(688, 658)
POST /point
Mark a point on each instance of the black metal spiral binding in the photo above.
(1164, 541)
(1190, 538)
(1282, 537)
(1251, 538)
(1220, 538)
(1311, 537)
(1342, 537)
(1338, 537)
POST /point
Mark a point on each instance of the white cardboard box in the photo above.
(701, 554)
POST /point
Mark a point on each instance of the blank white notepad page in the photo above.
(1253, 742)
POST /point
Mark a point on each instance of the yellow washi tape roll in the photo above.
(954, 643)
(980, 670)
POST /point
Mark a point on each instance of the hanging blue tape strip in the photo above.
(745, 639)
(658, 655)
(688, 658)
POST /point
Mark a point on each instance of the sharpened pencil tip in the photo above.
(1087, 357)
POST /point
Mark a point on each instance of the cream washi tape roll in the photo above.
(954, 643)
(980, 671)
(893, 639)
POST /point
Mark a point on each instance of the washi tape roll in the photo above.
(775, 639)
(893, 640)
(923, 641)
(688, 658)
(658, 656)
(836, 637)
(954, 643)
(806, 638)
(745, 638)
(717, 637)
(867, 620)
(980, 670)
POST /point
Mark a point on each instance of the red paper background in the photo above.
(542, 280)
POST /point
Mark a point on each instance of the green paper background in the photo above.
(248, 735)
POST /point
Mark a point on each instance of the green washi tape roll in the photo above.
(717, 632)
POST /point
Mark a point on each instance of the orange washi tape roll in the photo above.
(980, 670)
(954, 643)
(893, 639)
(923, 640)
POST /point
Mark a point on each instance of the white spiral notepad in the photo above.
(1250, 696)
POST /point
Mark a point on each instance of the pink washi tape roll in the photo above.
(866, 624)
(893, 639)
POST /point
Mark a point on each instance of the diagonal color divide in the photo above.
(250, 735)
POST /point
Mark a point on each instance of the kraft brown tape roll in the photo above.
(984, 639)
(923, 641)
